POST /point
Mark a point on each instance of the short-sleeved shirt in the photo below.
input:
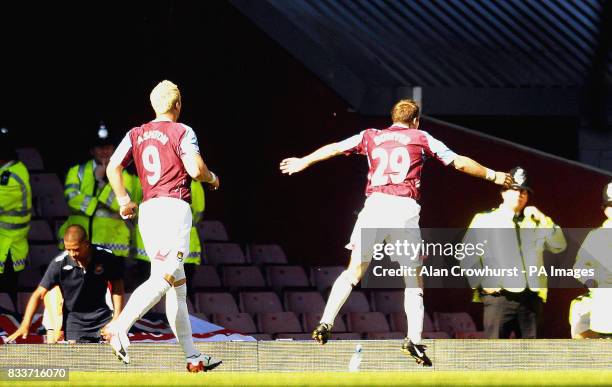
(157, 149)
(84, 290)
(396, 156)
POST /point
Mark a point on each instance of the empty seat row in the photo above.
(231, 254)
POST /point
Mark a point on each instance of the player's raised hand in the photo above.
(503, 178)
(22, 332)
(128, 211)
(292, 165)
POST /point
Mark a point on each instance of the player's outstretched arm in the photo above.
(198, 170)
(473, 168)
(295, 164)
(24, 328)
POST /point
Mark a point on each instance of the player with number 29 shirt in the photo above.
(167, 157)
(395, 156)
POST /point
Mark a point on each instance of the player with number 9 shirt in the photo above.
(395, 156)
(167, 157)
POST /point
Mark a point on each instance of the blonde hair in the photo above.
(405, 111)
(164, 96)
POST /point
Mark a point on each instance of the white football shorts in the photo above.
(165, 227)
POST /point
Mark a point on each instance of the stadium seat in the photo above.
(6, 302)
(294, 336)
(304, 302)
(357, 302)
(454, 322)
(259, 302)
(212, 230)
(435, 335)
(40, 231)
(324, 276)
(205, 276)
(399, 323)
(242, 276)
(280, 277)
(31, 158)
(223, 254)
(311, 320)
(388, 301)
(22, 302)
(267, 254)
(211, 303)
(52, 206)
(367, 322)
(470, 335)
(277, 322)
(385, 335)
(41, 255)
(44, 184)
(241, 322)
(261, 336)
(29, 278)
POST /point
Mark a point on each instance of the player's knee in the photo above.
(351, 276)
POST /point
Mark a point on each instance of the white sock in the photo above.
(337, 297)
(178, 317)
(144, 298)
(415, 312)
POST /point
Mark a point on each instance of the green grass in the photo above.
(437, 378)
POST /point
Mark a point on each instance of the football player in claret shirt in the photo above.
(395, 157)
(167, 158)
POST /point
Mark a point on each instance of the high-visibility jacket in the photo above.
(596, 254)
(511, 242)
(15, 213)
(96, 209)
(195, 247)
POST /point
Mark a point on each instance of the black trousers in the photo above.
(8, 280)
(506, 312)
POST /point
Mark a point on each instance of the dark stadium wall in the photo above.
(252, 105)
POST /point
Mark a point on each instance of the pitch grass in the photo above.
(436, 378)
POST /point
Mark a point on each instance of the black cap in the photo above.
(101, 136)
(519, 179)
(607, 195)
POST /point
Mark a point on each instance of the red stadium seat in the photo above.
(241, 322)
(277, 322)
(212, 230)
(242, 276)
(367, 322)
(259, 302)
(400, 324)
(357, 302)
(454, 322)
(31, 158)
(304, 302)
(470, 335)
(40, 231)
(324, 277)
(267, 254)
(6, 302)
(29, 278)
(280, 277)
(205, 276)
(42, 255)
(210, 303)
(22, 302)
(388, 301)
(311, 320)
(44, 184)
(223, 254)
(435, 335)
(385, 335)
(52, 206)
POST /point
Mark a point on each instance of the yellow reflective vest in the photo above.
(195, 247)
(15, 213)
(96, 209)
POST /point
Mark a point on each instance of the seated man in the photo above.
(82, 273)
